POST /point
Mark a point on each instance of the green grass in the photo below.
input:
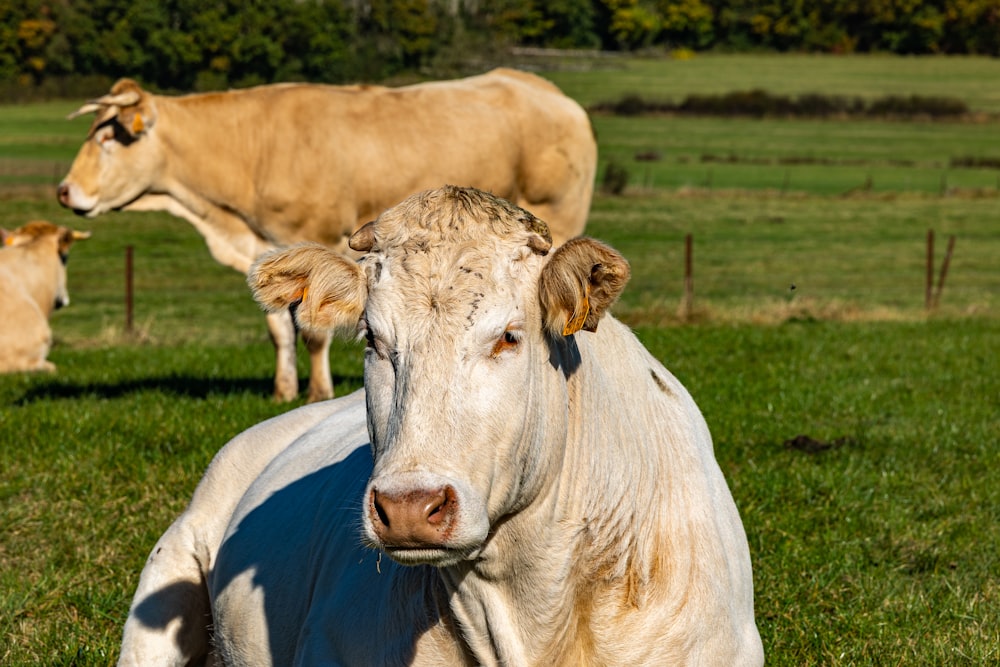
(879, 550)
(854, 258)
(882, 550)
(813, 156)
(819, 157)
(37, 144)
(786, 74)
(98, 460)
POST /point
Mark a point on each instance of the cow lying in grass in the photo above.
(545, 491)
(32, 285)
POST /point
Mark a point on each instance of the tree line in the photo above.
(51, 45)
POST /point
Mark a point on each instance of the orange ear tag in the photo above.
(305, 292)
(137, 124)
(579, 316)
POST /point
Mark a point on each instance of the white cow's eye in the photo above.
(508, 341)
(372, 343)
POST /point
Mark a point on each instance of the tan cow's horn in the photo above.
(79, 235)
(86, 108)
(128, 98)
(363, 240)
(125, 99)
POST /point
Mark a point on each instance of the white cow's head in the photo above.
(468, 320)
(117, 163)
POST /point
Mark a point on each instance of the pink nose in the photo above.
(418, 518)
(63, 194)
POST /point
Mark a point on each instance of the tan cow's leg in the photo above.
(286, 379)
(320, 382)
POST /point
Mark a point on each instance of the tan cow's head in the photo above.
(46, 279)
(117, 162)
(469, 321)
(64, 236)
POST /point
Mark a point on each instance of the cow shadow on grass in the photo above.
(189, 386)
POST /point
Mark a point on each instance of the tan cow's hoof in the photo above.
(317, 395)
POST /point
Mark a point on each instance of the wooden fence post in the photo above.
(944, 271)
(688, 303)
(932, 296)
(929, 282)
(128, 290)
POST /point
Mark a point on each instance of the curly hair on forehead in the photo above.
(452, 214)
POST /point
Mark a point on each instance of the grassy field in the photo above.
(802, 156)
(811, 156)
(815, 156)
(875, 541)
(770, 258)
(865, 76)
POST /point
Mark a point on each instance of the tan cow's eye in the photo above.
(508, 341)
(104, 135)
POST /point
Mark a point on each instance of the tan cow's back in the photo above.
(506, 132)
(304, 162)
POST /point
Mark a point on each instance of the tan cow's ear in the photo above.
(136, 120)
(580, 282)
(136, 110)
(69, 236)
(326, 290)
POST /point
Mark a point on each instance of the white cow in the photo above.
(545, 490)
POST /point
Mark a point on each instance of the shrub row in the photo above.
(976, 162)
(760, 103)
(960, 162)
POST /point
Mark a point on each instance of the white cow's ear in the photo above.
(580, 282)
(326, 290)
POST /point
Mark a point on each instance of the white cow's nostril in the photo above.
(415, 517)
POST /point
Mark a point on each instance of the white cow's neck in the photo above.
(536, 610)
(514, 613)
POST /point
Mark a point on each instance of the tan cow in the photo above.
(532, 486)
(270, 166)
(32, 285)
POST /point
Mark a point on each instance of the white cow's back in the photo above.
(170, 615)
